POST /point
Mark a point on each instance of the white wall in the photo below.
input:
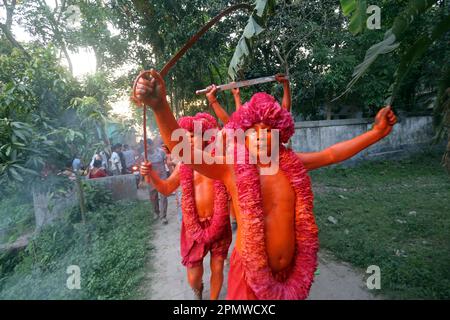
(408, 136)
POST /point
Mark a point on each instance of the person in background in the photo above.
(68, 171)
(97, 171)
(139, 158)
(140, 146)
(136, 154)
(128, 154)
(157, 157)
(122, 160)
(77, 165)
(96, 156)
(171, 163)
(116, 165)
(103, 159)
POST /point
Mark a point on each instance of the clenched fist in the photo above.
(151, 91)
(146, 168)
(384, 121)
(211, 93)
(281, 78)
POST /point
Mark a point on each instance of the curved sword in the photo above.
(177, 57)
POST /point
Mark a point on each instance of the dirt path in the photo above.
(166, 277)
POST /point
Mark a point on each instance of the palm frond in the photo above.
(256, 24)
(392, 37)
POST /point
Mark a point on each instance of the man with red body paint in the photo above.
(205, 221)
(276, 246)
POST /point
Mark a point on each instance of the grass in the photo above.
(393, 214)
(16, 218)
(111, 251)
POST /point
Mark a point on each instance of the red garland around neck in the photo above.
(191, 221)
(258, 274)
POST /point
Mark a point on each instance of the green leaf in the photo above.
(357, 9)
(413, 10)
(18, 125)
(15, 174)
(348, 6)
(254, 27)
(383, 47)
(416, 51)
(25, 170)
(391, 39)
(20, 134)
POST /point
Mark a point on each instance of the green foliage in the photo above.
(393, 39)
(308, 39)
(110, 257)
(96, 196)
(46, 117)
(416, 51)
(393, 214)
(419, 27)
(111, 50)
(31, 91)
(255, 25)
(357, 10)
(16, 217)
(15, 137)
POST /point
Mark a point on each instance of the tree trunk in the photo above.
(328, 110)
(6, 27)
(66, 54)
(446, 158)
(81, 199)
(54, 25)
(98, 59)
(12, 40)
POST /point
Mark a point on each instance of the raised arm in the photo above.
(215, 105)
(153, 93)
(286, 103)
(166, 187)
(237, 98)
(384, 121)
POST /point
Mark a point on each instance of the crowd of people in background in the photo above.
(126, 160)
(121, 161)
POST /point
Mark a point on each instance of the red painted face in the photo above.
(259, 142)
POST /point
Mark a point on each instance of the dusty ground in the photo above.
(166, 277)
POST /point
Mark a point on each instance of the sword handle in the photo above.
(203, 91)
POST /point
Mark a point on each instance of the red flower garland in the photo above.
(191, 221)
(263, 108)
(258, 274)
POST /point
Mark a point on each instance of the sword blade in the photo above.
(240, 84)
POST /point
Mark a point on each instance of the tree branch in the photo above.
(57, 33)
(63, 7)
(9, 12)
(6, 27)
(12, 40)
